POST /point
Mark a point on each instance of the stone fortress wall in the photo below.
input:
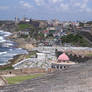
(76, 54)
(26, 71)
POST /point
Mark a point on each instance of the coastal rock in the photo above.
(2, 81)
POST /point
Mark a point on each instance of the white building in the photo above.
(41, 56)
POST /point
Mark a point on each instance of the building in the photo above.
(63, 58)
(17, 20)
(51, 30)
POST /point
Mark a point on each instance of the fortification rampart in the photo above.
(26, 71)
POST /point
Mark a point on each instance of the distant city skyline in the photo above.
(64, 10)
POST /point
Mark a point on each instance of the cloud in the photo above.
(84, 7)
(25, 4)
(64, 6)
(77, 4)
(59, 5)
(56, 1)
(39, 2)
(88, 10)
(4, 7)
(44, 2)
(80, 6)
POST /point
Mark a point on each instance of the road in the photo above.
(77, 78)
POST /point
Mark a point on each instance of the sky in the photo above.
(70, 10)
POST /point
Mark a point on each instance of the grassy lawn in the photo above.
(89, 54)
(18, 79)
(24, 26)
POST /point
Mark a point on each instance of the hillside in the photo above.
(86, 35)
(75, 40)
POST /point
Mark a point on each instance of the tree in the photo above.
(81, 24)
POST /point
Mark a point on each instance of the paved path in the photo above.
(77, 78)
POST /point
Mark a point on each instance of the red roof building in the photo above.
(63, 57)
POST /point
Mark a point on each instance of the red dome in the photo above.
(63, 57)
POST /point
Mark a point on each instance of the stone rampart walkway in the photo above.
(77, 78)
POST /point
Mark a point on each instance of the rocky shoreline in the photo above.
(16, 58)
(9, 64)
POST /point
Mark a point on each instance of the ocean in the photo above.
(8, 48)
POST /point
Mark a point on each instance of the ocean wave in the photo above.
(5, 34)
(2, 53)
(2, 39)
(7, 44)
(8, 49)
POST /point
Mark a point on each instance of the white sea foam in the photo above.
(2, 39)
(3, 63)
(2, 53)
(10, 49)
(20, 48)
(5, 33)
(7, 44)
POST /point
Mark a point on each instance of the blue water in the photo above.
(8, 48)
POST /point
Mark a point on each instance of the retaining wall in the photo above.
(26, 71)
